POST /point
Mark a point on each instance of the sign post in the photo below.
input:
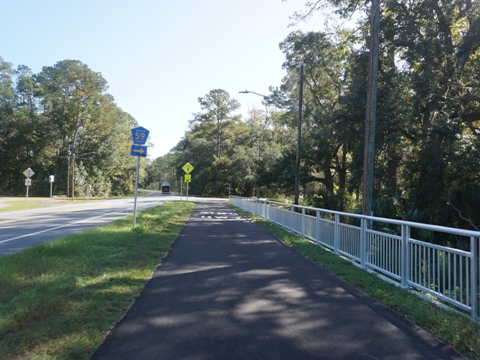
(181, 187)
(28, 182)
(136, 193)
(188, 168)
(139, 136)
(187, 179)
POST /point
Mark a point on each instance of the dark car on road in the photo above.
(166, 187)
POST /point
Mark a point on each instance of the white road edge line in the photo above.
(58, 227)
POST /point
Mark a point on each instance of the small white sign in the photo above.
(51, 178)
(28, 182)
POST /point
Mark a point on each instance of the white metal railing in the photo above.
(387, 246)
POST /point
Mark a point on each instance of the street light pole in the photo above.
(299, 139)
(266, 119)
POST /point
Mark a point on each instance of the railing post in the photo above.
(336, 233)
(292, 216)
(408, 256)
(303, 222)
(363, 242)
(283, 215)
(403, 255)
(317, 227)
(474, 268)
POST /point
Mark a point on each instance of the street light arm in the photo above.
(253, 92)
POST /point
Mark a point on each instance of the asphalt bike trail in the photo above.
(228, 289)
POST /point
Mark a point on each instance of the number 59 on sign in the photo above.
(140, 135)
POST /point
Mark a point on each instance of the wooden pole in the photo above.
(370, 123)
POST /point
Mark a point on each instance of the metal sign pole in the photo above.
(136, 192)
(28, 174)
(51, 179)
(188, 168)
(139, 136)
(181, 187)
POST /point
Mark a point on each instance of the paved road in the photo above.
(22, 229)
(229, 290)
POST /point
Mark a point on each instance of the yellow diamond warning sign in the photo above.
(188, 168)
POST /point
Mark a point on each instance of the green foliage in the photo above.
(428, 111)
(65, 116)
(428, 120)
(428, 117)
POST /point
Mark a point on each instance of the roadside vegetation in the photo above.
(427, 141)
(456, 330)
(58, 300)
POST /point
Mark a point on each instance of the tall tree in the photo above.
(446, 37)
(85, 127)
(10, 130)
(326, 68)
(428, 108)
(215, 122)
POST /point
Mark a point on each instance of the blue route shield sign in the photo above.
(138, 150)
(140, 135)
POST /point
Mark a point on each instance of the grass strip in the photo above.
(9, 204)
(58, 300)
(17, 204)
(458, 331)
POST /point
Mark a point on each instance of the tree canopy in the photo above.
(427, 142)
(63, 122)
(428, 116)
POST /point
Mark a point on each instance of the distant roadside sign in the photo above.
(140, 135)
(188, 178)
(28, 173)
(188, 168)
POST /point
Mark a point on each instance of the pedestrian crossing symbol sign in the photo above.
(188, 168)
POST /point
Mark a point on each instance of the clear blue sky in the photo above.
(157, 56)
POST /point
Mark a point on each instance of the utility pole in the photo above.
(299, 138)
(370, 123)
